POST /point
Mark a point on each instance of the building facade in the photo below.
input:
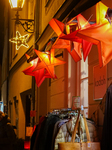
(19, 93)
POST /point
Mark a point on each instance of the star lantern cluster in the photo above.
(70, 40)
(76, 36)
(100, 34)
(72, 47)
(84, 35)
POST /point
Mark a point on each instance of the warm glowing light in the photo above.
(40, 74)
(13, 3)
(26, 145)
(32, 63)
(67, 29)
(20, 40)
(82, 22)
(101, 10)
(16, 3)
(75, 42)
(59, 27)
(48, 62)
(100, 34)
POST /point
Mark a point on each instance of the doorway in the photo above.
(27, 118)
(25, 114)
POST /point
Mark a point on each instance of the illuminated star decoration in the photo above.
(20, 40)
(74, 48)
(100, 34)
(82, 24)
(39, 75)
(48, 61)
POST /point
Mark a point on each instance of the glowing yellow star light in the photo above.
(20, 40)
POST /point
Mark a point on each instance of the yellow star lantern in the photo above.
(20, 40)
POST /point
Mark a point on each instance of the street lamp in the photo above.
(17, 4)
(27, 24)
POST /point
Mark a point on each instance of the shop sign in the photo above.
(29, 131)
(99, 81)
(75, 102)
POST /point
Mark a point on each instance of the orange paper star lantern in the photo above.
(72, 47)
(82, 24)
(39, 75)
(100, 34)
(48, 61)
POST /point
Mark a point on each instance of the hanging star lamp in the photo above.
(48, 61)
(39, 75)
(100, 34)
(72, 47)
(82, 24)
(29, 70)
(101, 10)
(20, 40)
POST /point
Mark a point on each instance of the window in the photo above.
(47, 2)
(84, 85)
(78, 82)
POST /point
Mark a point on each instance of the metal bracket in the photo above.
(27, 24)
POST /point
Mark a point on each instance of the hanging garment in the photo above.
(57, 126)
(106, 143)
(65, 131)
(92, 130)
(35, 135)
(46, 131)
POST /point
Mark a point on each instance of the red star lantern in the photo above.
(48, 61)
(73, 48)
(39, 75)
(100, 34)
(82, 24)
